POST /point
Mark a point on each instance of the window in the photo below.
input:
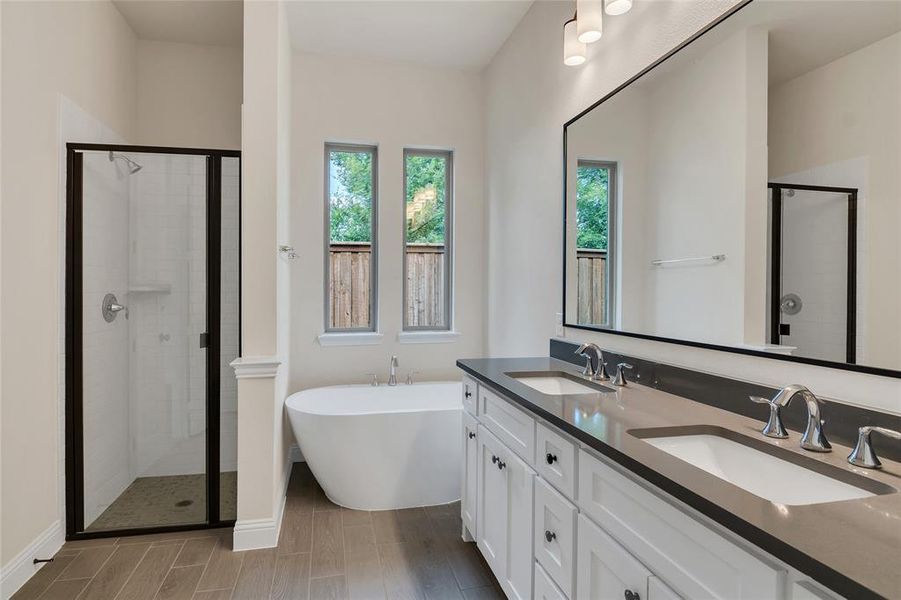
(351, 223)
(595, 205)
(428, 234)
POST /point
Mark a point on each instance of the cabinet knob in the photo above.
(494, 459)
(630, 595)
(550, 458)
(550, 536)
(468, 394)
(472, 434)
(501, 464)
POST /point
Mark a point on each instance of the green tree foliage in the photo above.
(423, 173)
(350, 196)
(591, 207)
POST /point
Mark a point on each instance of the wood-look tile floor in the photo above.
(324, 552)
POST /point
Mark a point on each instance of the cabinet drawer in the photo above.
(695, 560)
(470, 395)
(512, 426)
(555, 535)
(555, 460)
(544, 586)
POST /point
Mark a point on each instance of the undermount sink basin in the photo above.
(767, 471)
(557, 383)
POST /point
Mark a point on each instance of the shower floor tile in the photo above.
(166, 500)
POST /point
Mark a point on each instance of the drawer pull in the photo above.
(550, 536)
(630, 595)
(501, 464)
(468, 394)
(472, 434)
(550, 458)
(494, 459)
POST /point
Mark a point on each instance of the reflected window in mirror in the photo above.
(595, 195)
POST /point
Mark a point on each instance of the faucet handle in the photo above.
(774, 427)
(863, 454)
(620, 378)
(374, 382)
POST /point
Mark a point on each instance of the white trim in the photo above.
(20, 569)
(428, 337)
(363, 338)
(255, 367)
(253, 534)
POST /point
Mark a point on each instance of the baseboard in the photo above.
(254, 534)
(16, 572)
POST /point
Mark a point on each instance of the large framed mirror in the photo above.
(744, 192)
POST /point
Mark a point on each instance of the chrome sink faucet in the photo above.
(813, 439)
(595, 367)
(863, 454)
(392, 371)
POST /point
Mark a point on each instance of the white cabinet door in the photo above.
(545, 588)
(605, 570)
(491, 508)
(521, 502)
(469, 495)
(657, 590)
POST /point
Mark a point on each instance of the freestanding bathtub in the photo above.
(378, 448)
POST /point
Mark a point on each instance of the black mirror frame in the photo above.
(884, 372)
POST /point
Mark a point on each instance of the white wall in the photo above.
(188, 95)
(857, 147)
(86, 52)
(529, 95)
(393, 106)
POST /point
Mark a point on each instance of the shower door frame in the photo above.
(776, 263)
(74, 388)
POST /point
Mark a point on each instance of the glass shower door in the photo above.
(143, 340)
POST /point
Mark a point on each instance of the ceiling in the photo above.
(442, 33)
(214, 22)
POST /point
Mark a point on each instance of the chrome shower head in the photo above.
(133, 167)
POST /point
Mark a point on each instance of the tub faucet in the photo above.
(392, 371)
(813, 439)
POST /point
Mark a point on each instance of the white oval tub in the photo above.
(378, 448)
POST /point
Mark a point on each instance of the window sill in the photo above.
(428, 337)
(362, 338)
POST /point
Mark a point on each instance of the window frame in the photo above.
(448, 156)
(372, 149)
(610, 285)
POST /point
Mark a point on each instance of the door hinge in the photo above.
(204, 340)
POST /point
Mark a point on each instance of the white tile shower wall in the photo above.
(106, 368)
(168, 283)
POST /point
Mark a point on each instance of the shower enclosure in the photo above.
(152, 323)
(813, 271)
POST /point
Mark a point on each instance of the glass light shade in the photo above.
(618, 7)
(573, 49)
(589, 20)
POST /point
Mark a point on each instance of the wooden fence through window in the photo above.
(350, 302)
(592, 290)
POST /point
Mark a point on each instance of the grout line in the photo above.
(127, 579)
(168, 570)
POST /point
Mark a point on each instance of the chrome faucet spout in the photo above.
(814, 439)
(594, 361)
(392, 371)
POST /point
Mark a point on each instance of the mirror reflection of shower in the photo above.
(133, 167)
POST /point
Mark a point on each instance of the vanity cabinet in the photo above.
(556, 521)
(504, 511)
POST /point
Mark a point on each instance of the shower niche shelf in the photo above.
(149, 287)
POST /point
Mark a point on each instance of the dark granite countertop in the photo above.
(852, 547)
